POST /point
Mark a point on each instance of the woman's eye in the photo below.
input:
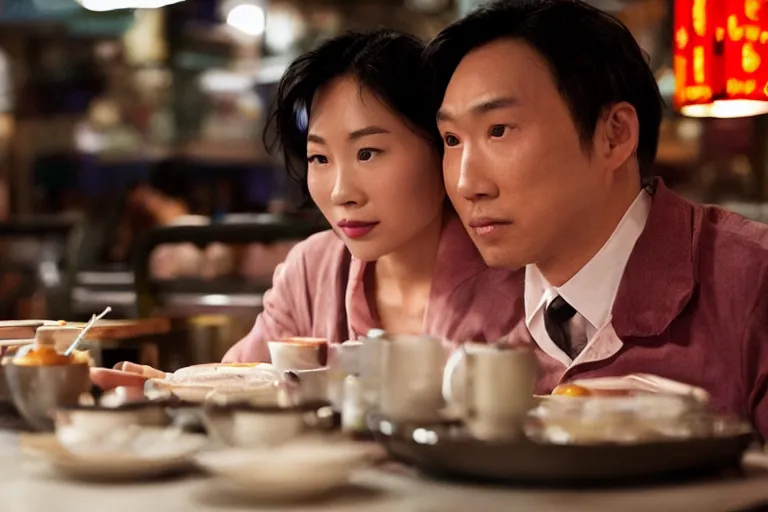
(498, 130)
(366, 154)
(317, 159)
(451, 140)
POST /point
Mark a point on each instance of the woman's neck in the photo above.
(414, 262)
(402, 281)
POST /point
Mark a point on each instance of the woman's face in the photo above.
(377, 182)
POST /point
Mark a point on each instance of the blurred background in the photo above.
(132, 172)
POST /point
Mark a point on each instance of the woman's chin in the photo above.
(364, 251)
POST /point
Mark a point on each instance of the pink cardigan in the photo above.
(311, 292)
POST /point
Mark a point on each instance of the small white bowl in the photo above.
(295, 471)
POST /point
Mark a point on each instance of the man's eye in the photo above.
(367, 154)
(498, 130)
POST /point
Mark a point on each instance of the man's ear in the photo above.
(618, 135)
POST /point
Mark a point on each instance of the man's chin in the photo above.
(497, 257)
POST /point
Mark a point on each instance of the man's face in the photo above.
(514, 167)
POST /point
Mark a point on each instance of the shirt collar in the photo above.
(592, 290)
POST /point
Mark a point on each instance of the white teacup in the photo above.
(491, 388)
(81, 423)
(249, 426)
(314, 384)
(266, 428)
(298, 353)
(411, 378)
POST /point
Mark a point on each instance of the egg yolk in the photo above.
(571, 390)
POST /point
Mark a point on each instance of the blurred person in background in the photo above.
(161, 202)
(358, 131)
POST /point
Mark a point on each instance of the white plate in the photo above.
(122, 455)
(292, 472)
(192, 384)
(117, 468)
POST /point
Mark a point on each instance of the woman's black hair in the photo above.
(386, 63)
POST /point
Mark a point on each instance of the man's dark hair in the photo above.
(386, 63)
(593, 57)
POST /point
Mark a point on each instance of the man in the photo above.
(550, 117)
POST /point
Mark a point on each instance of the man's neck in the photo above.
(590, 236)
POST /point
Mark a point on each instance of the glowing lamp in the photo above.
(721, 57)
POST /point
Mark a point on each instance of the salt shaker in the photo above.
(353, 407)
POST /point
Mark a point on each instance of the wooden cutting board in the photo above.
(106, 330)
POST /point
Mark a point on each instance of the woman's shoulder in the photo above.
(317, 255)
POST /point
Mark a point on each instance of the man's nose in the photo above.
(475, 182)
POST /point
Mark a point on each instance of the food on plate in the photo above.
(44, 355)
(635, 384)
(632, 408)
(194, 383)
(202, 373)
(637, 418)
(571, 390)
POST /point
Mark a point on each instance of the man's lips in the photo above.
(483, 226)
(355, 228)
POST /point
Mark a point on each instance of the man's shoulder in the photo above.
(732, 238)
(733, 248)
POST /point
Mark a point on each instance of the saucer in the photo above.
(130, 454)
(293, 472)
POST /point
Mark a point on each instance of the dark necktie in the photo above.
(556, 318)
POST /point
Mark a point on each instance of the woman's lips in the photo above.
(355, 229)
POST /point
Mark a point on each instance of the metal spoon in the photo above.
(87, 327)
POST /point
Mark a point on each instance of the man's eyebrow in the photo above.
(442, 115)
(482, 107)
(499, 103)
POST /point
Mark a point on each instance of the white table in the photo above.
(25, 486)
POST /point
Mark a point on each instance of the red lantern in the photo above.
(721, 57)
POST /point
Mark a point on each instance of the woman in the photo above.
(355, 127)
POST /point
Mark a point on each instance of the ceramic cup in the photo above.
(491, 388)
(343, 360)
(411, 378)
(298, 353)
(248, 426)
(371, 359)
(267, 427)
(314, 384)
(89, 422)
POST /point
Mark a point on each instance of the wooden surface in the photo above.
(105, 330)
(108, 330)
(21, 329)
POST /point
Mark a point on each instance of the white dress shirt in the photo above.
(591, 291)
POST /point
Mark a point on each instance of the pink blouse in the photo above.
(314, 294)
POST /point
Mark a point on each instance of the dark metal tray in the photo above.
(446, 450)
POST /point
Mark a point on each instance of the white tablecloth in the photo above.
(27, 486)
